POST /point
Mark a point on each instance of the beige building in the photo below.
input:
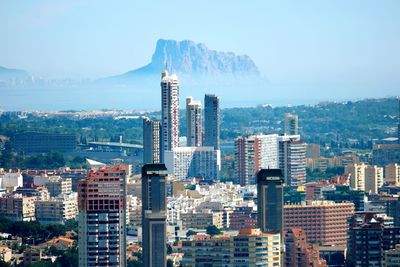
(365, 177)
(57, 185)
(202, 219)
(58, 209)
(250, 247)
(392, 173)
(17, 207)
(373, 179)
(5, 254)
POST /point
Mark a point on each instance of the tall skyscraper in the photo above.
(154, 216)
(253, 153)
(270, 200)
(194, 122)
(212, 121)
(169, 112)
(102, 217)
(151, 141)
(291, 124)
(292, 159)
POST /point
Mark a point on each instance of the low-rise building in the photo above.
(202, 219)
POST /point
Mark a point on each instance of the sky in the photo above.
(292, 42)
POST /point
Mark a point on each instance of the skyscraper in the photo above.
(212, 121)
(253, 153)
(169, 112)
(292, 159)
(154, 216)
(270, 200)
(291, 124)
(102, 217)
(194, 128)
(151, 141)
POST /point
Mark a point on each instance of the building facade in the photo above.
(102, 217)
(57, 210)
(188, 162)
(194, 122)
(324, 222)
(40, 142)
(250, 247)
(212, 121)
(292, 159)
(17, 207)
(151, 141)
(169, 112)
(154, 215)
(291, 124)
(270, 200)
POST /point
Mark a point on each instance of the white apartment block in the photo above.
(188, 162)
(58, 209)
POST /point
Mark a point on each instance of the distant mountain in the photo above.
(13, 76)
(189, 59)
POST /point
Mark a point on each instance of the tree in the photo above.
(170, 263)
(190, 232)
(213, 230)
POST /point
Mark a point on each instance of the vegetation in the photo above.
(32, 231)
(213, 230)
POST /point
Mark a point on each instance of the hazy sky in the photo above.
(295, 41)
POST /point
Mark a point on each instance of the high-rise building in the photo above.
(102, 217)
(154, 215)
(292, 159)
(325, 222)
(392, 173)
(291, 124)
(189, 162)
(194, 122)
(253, 153)
(250, 247)
(370, 235)
(212, 121)
(169, 112)
(365, 177)
(151, 141)
(270, 200)
(373, 179)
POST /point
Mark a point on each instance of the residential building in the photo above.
(383, 154)
(270, 200)
(292, 159)
(194, 122)
(201, 219)
(253, 153)
(298, 252)
(58, 209)
(370, 235)
(392, 173)
(324, 222)
(357, 175)
(212, 121)
(5, 254)
(40, 142)
(243, 217)
(32, 255)
(373, 179)
(102, 217)
(188, 162)
(313, 151)
(169, 112)
(151, 141)
(17, 207)
(291, 124)
(11, 180)
(392, 257)
(154, 216)
(250, 247)
(57, 185)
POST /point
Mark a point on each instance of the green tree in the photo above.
(213, 230)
